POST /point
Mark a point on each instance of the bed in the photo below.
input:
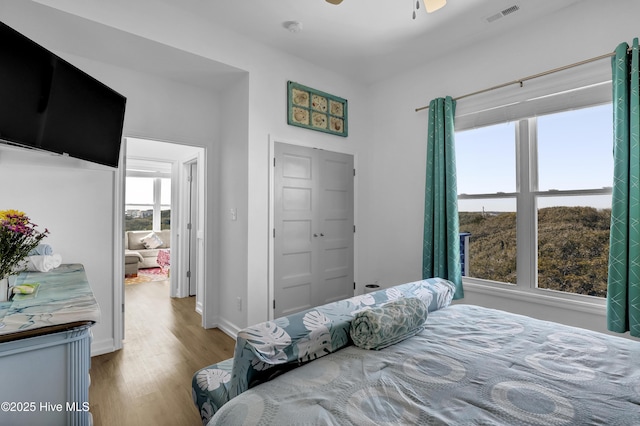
(466, 365)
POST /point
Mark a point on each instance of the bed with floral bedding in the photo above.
(458, 364)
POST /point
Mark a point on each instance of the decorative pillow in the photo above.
(266, 349)
(151, 241)
(388, 324)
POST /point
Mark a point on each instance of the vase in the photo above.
(4, 289)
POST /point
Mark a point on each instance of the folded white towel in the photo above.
(41, 250)
(43, 263)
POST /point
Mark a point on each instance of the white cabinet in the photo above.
(45, 350)
(45, 379)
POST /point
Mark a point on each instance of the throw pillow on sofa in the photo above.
(151, 241)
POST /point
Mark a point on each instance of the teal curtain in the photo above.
(441, 249)
(623, 291)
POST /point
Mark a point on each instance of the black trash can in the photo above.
(370, 288)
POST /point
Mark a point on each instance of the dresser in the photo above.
(45, 350)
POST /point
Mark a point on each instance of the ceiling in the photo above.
(368, 39)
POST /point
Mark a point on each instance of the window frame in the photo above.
(157, 195)
(526, 196)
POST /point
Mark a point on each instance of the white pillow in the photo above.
(151, 241)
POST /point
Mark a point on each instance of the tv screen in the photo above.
(47, 103)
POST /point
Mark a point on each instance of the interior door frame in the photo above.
(191, 169)
(271, 251)
(118, 247)
(118, 226)
(197, 231)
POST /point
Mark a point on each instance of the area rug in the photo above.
(147, 275)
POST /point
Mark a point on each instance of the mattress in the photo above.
(470, 365)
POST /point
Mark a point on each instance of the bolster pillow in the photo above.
(388, 324)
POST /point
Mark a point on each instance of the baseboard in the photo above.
(101, 347)
(228, 328)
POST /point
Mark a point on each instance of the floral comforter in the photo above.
(469, 366)
(268, 349)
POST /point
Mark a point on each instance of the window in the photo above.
(535, 195)
(147, 203)
(486, 170)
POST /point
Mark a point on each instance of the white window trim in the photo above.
(553, 298)
(586, 86)
(526, 196)
(157, 187)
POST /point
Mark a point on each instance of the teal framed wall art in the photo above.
(316, 110)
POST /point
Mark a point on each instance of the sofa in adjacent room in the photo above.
(142, 247)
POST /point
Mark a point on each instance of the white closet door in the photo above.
(313, 235)
(335, 223)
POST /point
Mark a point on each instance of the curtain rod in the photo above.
(531, 77)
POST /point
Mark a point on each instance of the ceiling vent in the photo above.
(503, 13)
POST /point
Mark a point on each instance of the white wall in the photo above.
(230, 250)
(162, 109)
(268, 118)
(386, 136)
(392, 227)
(59, 193)
(268, 71)
(158, 108)
(76, 201)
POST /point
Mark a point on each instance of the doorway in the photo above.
(185, 172)
(147, 221)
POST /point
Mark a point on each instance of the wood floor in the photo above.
(149, 380)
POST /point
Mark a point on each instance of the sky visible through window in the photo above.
(575, 151)
(139, 191)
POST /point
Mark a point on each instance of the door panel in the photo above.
(296, 166)
(313, 216)
(193, 221)
(294, 192)
(336, 262)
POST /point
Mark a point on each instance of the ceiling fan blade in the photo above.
(334, 1)
(433, 5)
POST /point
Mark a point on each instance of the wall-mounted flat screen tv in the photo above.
(49, 104)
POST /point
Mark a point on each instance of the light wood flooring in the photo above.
(148, 382)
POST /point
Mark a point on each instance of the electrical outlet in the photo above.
(239, 303)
